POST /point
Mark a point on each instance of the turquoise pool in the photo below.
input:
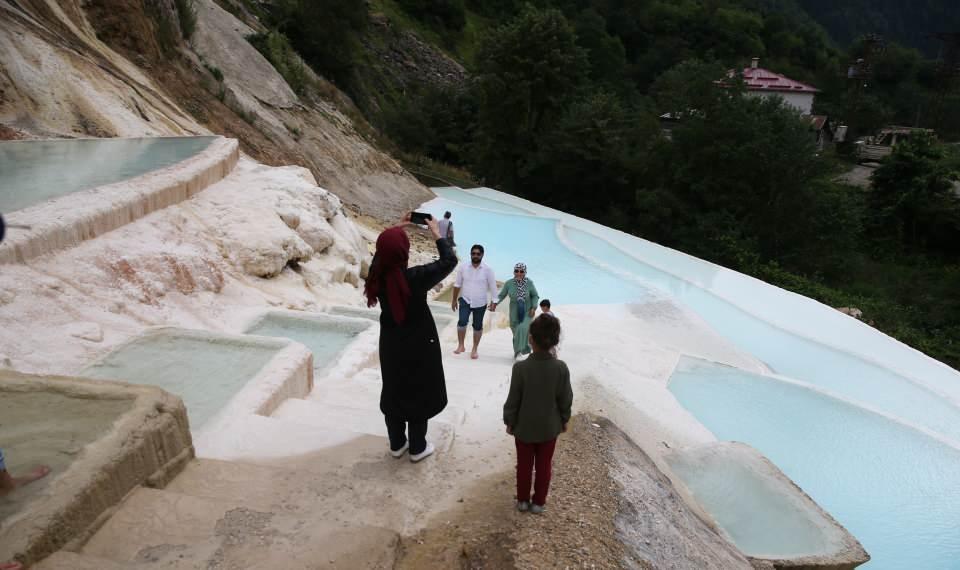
(205, 370)
(36, 171)
(325, 336)
(558, 273)
(883, 397)
(895, 488)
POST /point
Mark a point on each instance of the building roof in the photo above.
(760, 79)
(817, 122)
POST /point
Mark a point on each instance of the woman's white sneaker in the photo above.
(399, 453)
(428, 451)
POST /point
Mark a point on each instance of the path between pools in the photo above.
(354, 506)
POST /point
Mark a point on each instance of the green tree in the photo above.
(437, 122)
(692, 87)
(326, 33)
(593, 159)
(442, 14)
(605, 52)
(747, 172)
(912, 199)
(529, 69)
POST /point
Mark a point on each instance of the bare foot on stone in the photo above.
(459, 350)
(39, 472)
(474, 355)
(10, 484)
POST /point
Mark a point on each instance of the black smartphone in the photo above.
(419, 218)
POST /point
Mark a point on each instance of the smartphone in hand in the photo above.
(419, 218)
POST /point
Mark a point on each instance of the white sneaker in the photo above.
(399, 453)
(427, 452)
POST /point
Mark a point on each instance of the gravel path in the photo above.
(608, 507)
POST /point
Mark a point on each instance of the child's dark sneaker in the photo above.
(537, 509)
(523, 506)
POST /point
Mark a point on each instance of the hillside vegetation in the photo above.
(561, 105)
(560, 101)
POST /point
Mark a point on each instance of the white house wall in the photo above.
(800, 101)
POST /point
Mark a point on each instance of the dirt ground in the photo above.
(578, 529)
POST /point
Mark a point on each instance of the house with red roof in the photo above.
(762, 82)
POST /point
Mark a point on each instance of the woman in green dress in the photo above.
(523, 305)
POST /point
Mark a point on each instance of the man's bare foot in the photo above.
(11, 566)
(459, 350)
(39, 472)
(474, 355)
(9, 484)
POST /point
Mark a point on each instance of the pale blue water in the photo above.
(902, 499)
(788, 354)
(204, 372)
(36, 171)
(325, 338)
(467, 199)
(757, 512)
(894, 488)
(558, 274)
(771, 304)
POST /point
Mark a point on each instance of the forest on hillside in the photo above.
(907, 23)
(563, 101)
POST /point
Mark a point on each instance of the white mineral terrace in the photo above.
(66, 220)
(264, 250)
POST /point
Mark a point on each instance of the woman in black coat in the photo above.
(414, 389)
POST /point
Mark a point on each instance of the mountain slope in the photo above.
(908, 23)
(122, 68)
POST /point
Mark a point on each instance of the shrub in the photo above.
(187, 13)
(274, 46)
(214, 71)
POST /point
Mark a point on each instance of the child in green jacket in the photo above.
(537, 410)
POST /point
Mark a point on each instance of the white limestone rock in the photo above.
(267, 255)
(289, 217)
(7, 296)
(317, 233)
(86, 331)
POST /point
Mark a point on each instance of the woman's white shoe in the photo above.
(399, 453)
(428, 451)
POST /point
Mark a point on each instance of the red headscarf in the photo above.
(393, 250)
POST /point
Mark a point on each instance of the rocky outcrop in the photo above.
(407, 61)
(108, 68)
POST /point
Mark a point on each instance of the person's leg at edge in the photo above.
(462, 326)
(544, 465)
(477, 329)
(395, 431)
(417, 429)
(524, 470)
(8, 482)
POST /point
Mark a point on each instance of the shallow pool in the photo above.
(893, 411)
(558, 273)
(324, 335)
(48, 428)
(837, 371)
(204, 370)
(762, 513)
(35, 171)
(895, 488)
(771, 304)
